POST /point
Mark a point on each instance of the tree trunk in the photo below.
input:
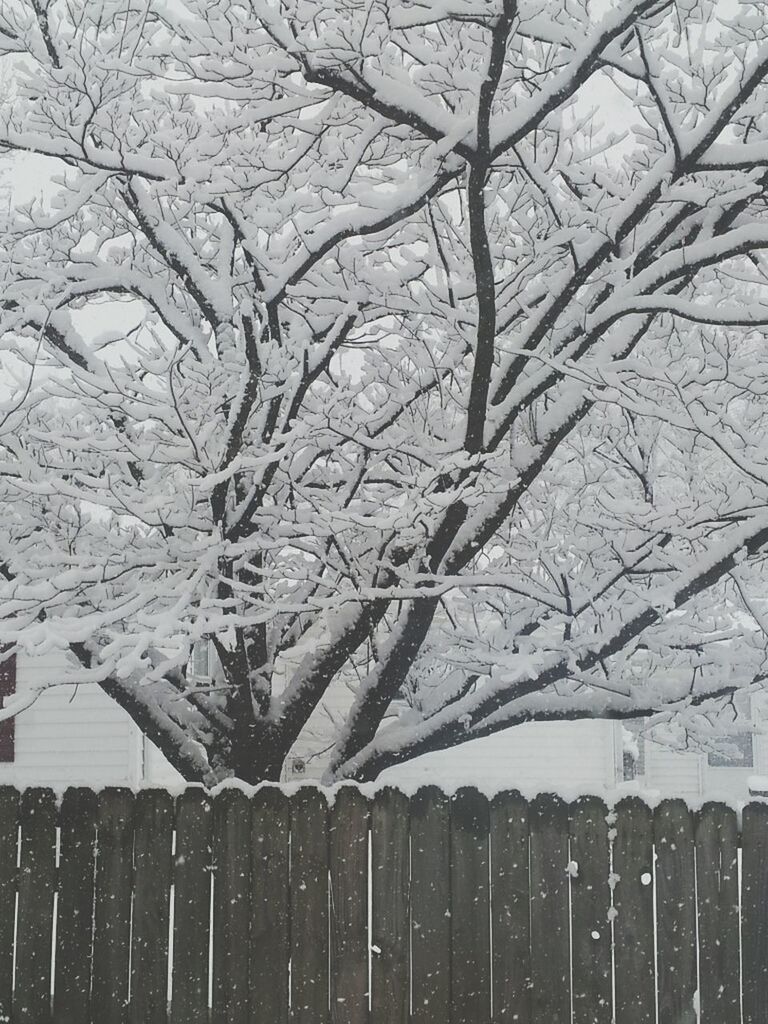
(257, 754)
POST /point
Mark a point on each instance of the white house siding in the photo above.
(577, 757)
(78, 736)
(70, 735)
(157, 771)
(672, 772)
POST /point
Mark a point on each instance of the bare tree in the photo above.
(414, 350)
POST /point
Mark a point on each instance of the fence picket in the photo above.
(34, 933)
(550, 916)
(9, 829)
(309, 907)
(270, 828)
(430, 905)
(151, 907)
(633, 903)
(478, 911)
(74, 918)
(192, 907)
(390, 905)
(590, 906)
(231, 906)
(676, 916)
(510, 913)
(754, 920)
(349, 907)
(112, 906)
(718, 905)
(470, 944)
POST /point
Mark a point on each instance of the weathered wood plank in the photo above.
(192, 862)
(430, 827)
(590, 906)
(718, 906)
(231, 907)
(633, 903)
(390, 903)
(349, 907)
(34, 933)
(74, 918)
(470, 909)
(510, 911)
(153, 837)
(550, 918)
(754, 912)
(309, 906)
(112, 906)
(676, 912)
(270, 949)
(9, 829)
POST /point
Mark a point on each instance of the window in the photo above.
(201, 660)
(8, 727)
(737, 752)
(736, 749)
(633, 751)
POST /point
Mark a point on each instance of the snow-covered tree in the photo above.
(414, 351)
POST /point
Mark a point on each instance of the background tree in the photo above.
(416, 348)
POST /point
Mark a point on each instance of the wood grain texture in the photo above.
(676, 916)
(590, 906)
(309, 906)
(34, 933)
(270, 931)
(717, 882)
(550, 916)
(192, 863)
(390, 878)
(754, 912)
(349, 907)
(430, 893)
(633, 903)
(74, 920)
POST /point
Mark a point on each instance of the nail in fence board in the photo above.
(718, 900)
(231, 907)
(112, 906)
(153, 837)
(633, 924)
(550, 917)
(34, 932)
(74, 916)
(309, 906)
(349, 907)
(510, 921)
(590, 905)
(754, 912)
(192, 862)
(430, 906)
(9, 828)
(269, 949)
(389, 883)
(470, 942)
(676, 912)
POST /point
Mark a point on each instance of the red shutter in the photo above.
(7, 727)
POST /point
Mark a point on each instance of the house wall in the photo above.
(78, 736)
(679, 773)
(566, 756)
(70, 735)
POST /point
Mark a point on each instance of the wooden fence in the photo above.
(117, 907)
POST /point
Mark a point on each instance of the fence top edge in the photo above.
(612, 800)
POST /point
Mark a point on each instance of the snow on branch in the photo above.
(406, 359)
